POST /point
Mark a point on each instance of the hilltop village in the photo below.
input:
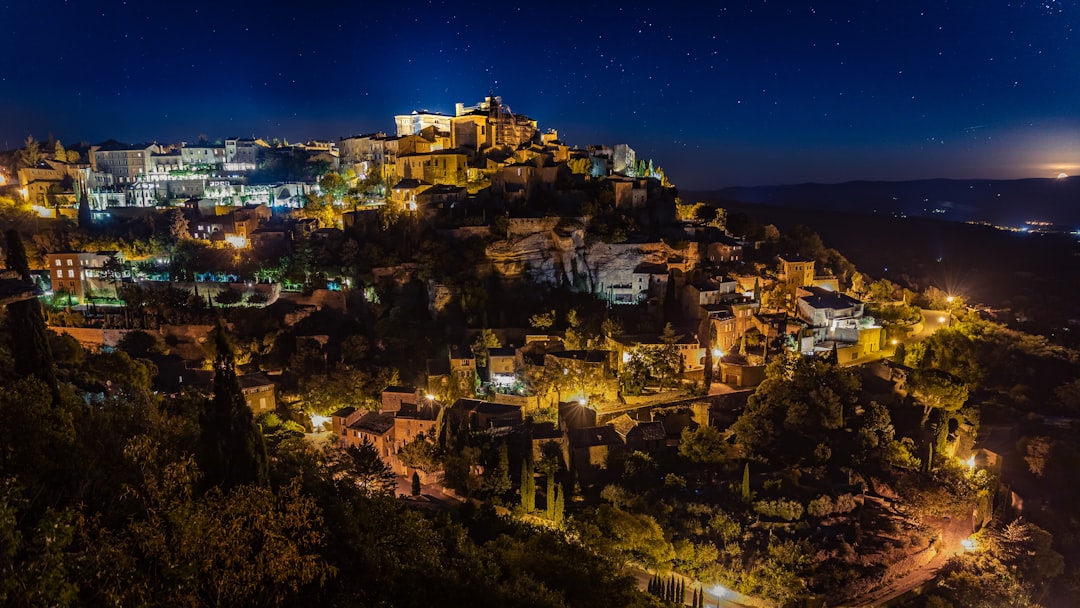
(471, 312)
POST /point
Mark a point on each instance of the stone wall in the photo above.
(92, 338)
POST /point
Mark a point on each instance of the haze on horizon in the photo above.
(739, 95)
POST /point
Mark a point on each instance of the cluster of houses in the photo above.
(408, 415)
(433, 159)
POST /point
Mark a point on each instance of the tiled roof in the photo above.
(371, 422)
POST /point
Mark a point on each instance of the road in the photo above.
(952, 533)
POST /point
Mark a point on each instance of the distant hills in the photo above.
(1000, 202)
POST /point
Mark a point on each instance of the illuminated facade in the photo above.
(126, 163)
(797, 270)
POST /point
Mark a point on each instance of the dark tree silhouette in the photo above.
(26, 325)
(231, 450)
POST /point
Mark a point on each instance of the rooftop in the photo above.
(594, 437)
(823, 298)
(371, 422)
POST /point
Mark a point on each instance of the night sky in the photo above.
(755, 93)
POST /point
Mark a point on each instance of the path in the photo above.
(952, 532)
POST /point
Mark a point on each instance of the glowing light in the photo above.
(950, 299)
(1061, 175)
(238, 242)
(941, 319)
(971, 463)
(3, 180)
(895, 341)
(583, 401)
(43, 211)
(969, 544)
(25, 192)
(626, 357)
(318, 421)
(429, 397)
(716, 352)
(719, 591)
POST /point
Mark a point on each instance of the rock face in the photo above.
(554, 251)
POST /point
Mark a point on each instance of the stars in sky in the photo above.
(737, 94)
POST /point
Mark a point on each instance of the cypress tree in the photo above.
(682, 593)
(26, 324)
(746, 483)
(231, 447)
(560, 506)
(528, 486)
(86, 216)
(550, 498)
(415, 483)
(899, 354)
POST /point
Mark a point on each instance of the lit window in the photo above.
(69, 262)
(71, 274)
(57, 262)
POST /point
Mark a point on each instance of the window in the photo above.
(57, 262)
(71, 274)
(59, 273)
(69, 262)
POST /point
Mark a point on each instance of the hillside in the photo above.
(1036, 275)
(1000, 202)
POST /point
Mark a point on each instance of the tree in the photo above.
(899, 354)
(86, 215)
(179, 229)
(415, 483)
(528, 486)
(26, 324)
(420, 454)
(228, 297)
(745, 486)
(30, 155)
(334, 185)
(560, 506)
(802, 403)
(549, 496)
(59, 153)
(936, 389)
(231, 448)
(542, 321)
(485, 340)
(497, 482)
(361, 466)
(704, 445)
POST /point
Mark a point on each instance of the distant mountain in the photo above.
(1000, 202)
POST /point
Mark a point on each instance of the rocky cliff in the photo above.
(548, 250)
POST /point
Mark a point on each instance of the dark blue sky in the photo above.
(754, 93)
